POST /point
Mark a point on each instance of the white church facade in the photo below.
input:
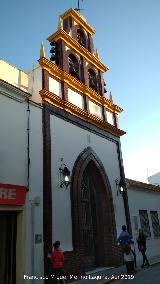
(81, 135)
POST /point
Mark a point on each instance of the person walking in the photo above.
(124, 237)
(142, 247)
(57, 262)
(134, 253)
(125, 240)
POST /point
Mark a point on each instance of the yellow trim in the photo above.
(78, 19)
(76, 85)
(61, 34)
(53, 99)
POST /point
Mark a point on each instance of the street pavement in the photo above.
(149, 275)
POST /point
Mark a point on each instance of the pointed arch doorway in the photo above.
(92, 212)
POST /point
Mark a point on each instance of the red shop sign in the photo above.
(11, 194)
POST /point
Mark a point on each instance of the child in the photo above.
(129, 259)
(57, 261)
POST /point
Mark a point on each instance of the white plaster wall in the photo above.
(13, 141)
(67, 142)
(110, 118)
(95, 109)
(55, 87)
(34, 217)
(75, 98)
(35, 82)
(145, 200)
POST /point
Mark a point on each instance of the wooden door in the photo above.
(89, 219)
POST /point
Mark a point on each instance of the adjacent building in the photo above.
(21, 178)
(154, 179)
(144, 207)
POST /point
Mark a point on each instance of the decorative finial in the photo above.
(59, 23)
(42, 54)
(78, 9)
(110, 97)
(97, 54)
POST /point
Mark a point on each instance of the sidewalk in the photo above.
(109, 274)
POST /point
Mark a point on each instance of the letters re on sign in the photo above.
(11, 194)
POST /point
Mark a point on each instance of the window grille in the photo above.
(145, 222)
(135, 223)
(155, 223)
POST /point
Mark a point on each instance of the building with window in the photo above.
(144, 207)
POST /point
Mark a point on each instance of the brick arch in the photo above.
(67, 54)
(75, 62)
(92, 73)
(108, 252)
(74, 32)
(99, 77)
(82, 33)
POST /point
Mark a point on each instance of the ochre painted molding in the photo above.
(79, 49)
(78, 19)
(77, 86)
(53, 99)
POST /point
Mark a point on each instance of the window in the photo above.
(155, 223)
(73, 66)
(145, 222)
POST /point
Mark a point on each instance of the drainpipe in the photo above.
(31, 203)
(124, 194)
(28, 142)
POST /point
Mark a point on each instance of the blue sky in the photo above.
(128, 41)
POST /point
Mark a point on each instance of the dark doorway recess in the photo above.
(91, 218)
(8, 225)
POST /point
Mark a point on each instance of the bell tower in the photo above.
(78, 121)
(73, 77)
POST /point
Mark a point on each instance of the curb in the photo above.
(137, 270)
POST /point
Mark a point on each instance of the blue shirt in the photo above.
(125, 238)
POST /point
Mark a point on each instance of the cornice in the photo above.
(78, 19)
(13, 92)
(56, 101)
(75, 84)
(142, 185)
(61, 34)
